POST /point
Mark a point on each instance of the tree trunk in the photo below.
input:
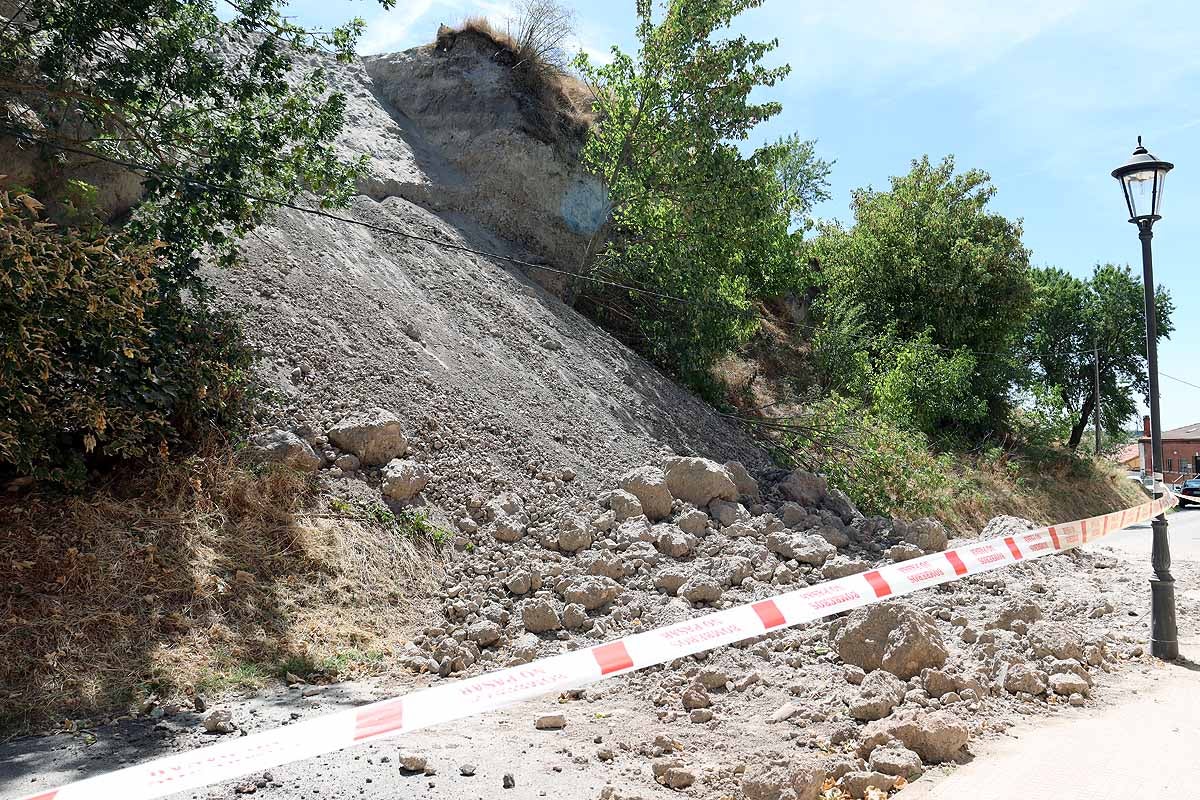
(1081, 425)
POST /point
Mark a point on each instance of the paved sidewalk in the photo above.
(1145, 745)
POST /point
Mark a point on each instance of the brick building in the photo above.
(1181, 453)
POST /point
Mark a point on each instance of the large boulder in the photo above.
(926, 533)
(698, 480)
(804, 487)
(404, 480)
(375, 436)
(284, 447)
(649, 486)
(935, 736)
(804, 547)
(892, 636)
(800, 779)
(879, 693)
(746, 485)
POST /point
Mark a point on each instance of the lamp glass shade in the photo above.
(1143, 192)
(1142, 178)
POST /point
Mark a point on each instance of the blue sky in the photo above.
(1048, 96)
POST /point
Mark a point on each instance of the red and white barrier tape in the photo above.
(449, 701)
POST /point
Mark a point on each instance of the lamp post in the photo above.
(1141, 179)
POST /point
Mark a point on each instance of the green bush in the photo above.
(920, 386)
(883, 468)
(95, 363)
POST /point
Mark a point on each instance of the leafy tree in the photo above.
(692, 216)
(93, 365)
(109, 345)
(929, 257)
(170, 85)
(1072, 315)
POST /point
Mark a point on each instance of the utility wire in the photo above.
(1179, 380)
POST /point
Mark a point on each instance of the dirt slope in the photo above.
(495, 378)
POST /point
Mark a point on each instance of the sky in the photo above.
(1048, 96)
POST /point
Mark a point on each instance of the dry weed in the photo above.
(193, 576)
(533, 46)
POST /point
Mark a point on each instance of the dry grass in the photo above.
(768, 380)
(557, 104)
(1046, 493)
(191, 577)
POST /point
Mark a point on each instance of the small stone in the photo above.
(539, 616)
(219, 721)
(574, 617)
(1068, 683)
(784, 712)
(713, 679)
(695, 697)
(701, 715)
(466, 770)
(881, 691)
(484, 633)
(550, 722)
(347, 462)
(508, 781)
(1021, 677)
(858, 783)
(412, 762)
(404, 480)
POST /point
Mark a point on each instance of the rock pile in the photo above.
(368, 445)
(887, 688)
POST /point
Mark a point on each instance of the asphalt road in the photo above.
(1183, 527)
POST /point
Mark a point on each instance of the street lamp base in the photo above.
(1164, 637)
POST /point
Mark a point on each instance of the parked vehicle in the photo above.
(1191, 488)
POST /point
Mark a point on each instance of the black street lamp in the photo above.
(1142, 178)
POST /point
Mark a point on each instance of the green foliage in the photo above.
(803, 178)
(691, 216)
(928, 257)
(94, 362)
(413, 523)
(921, 386)
(112, 349)
(168, 84)
(1071, 316)
(885, 469)
(840, 355)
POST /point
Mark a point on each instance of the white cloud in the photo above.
(868, 44)
(390, 30)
